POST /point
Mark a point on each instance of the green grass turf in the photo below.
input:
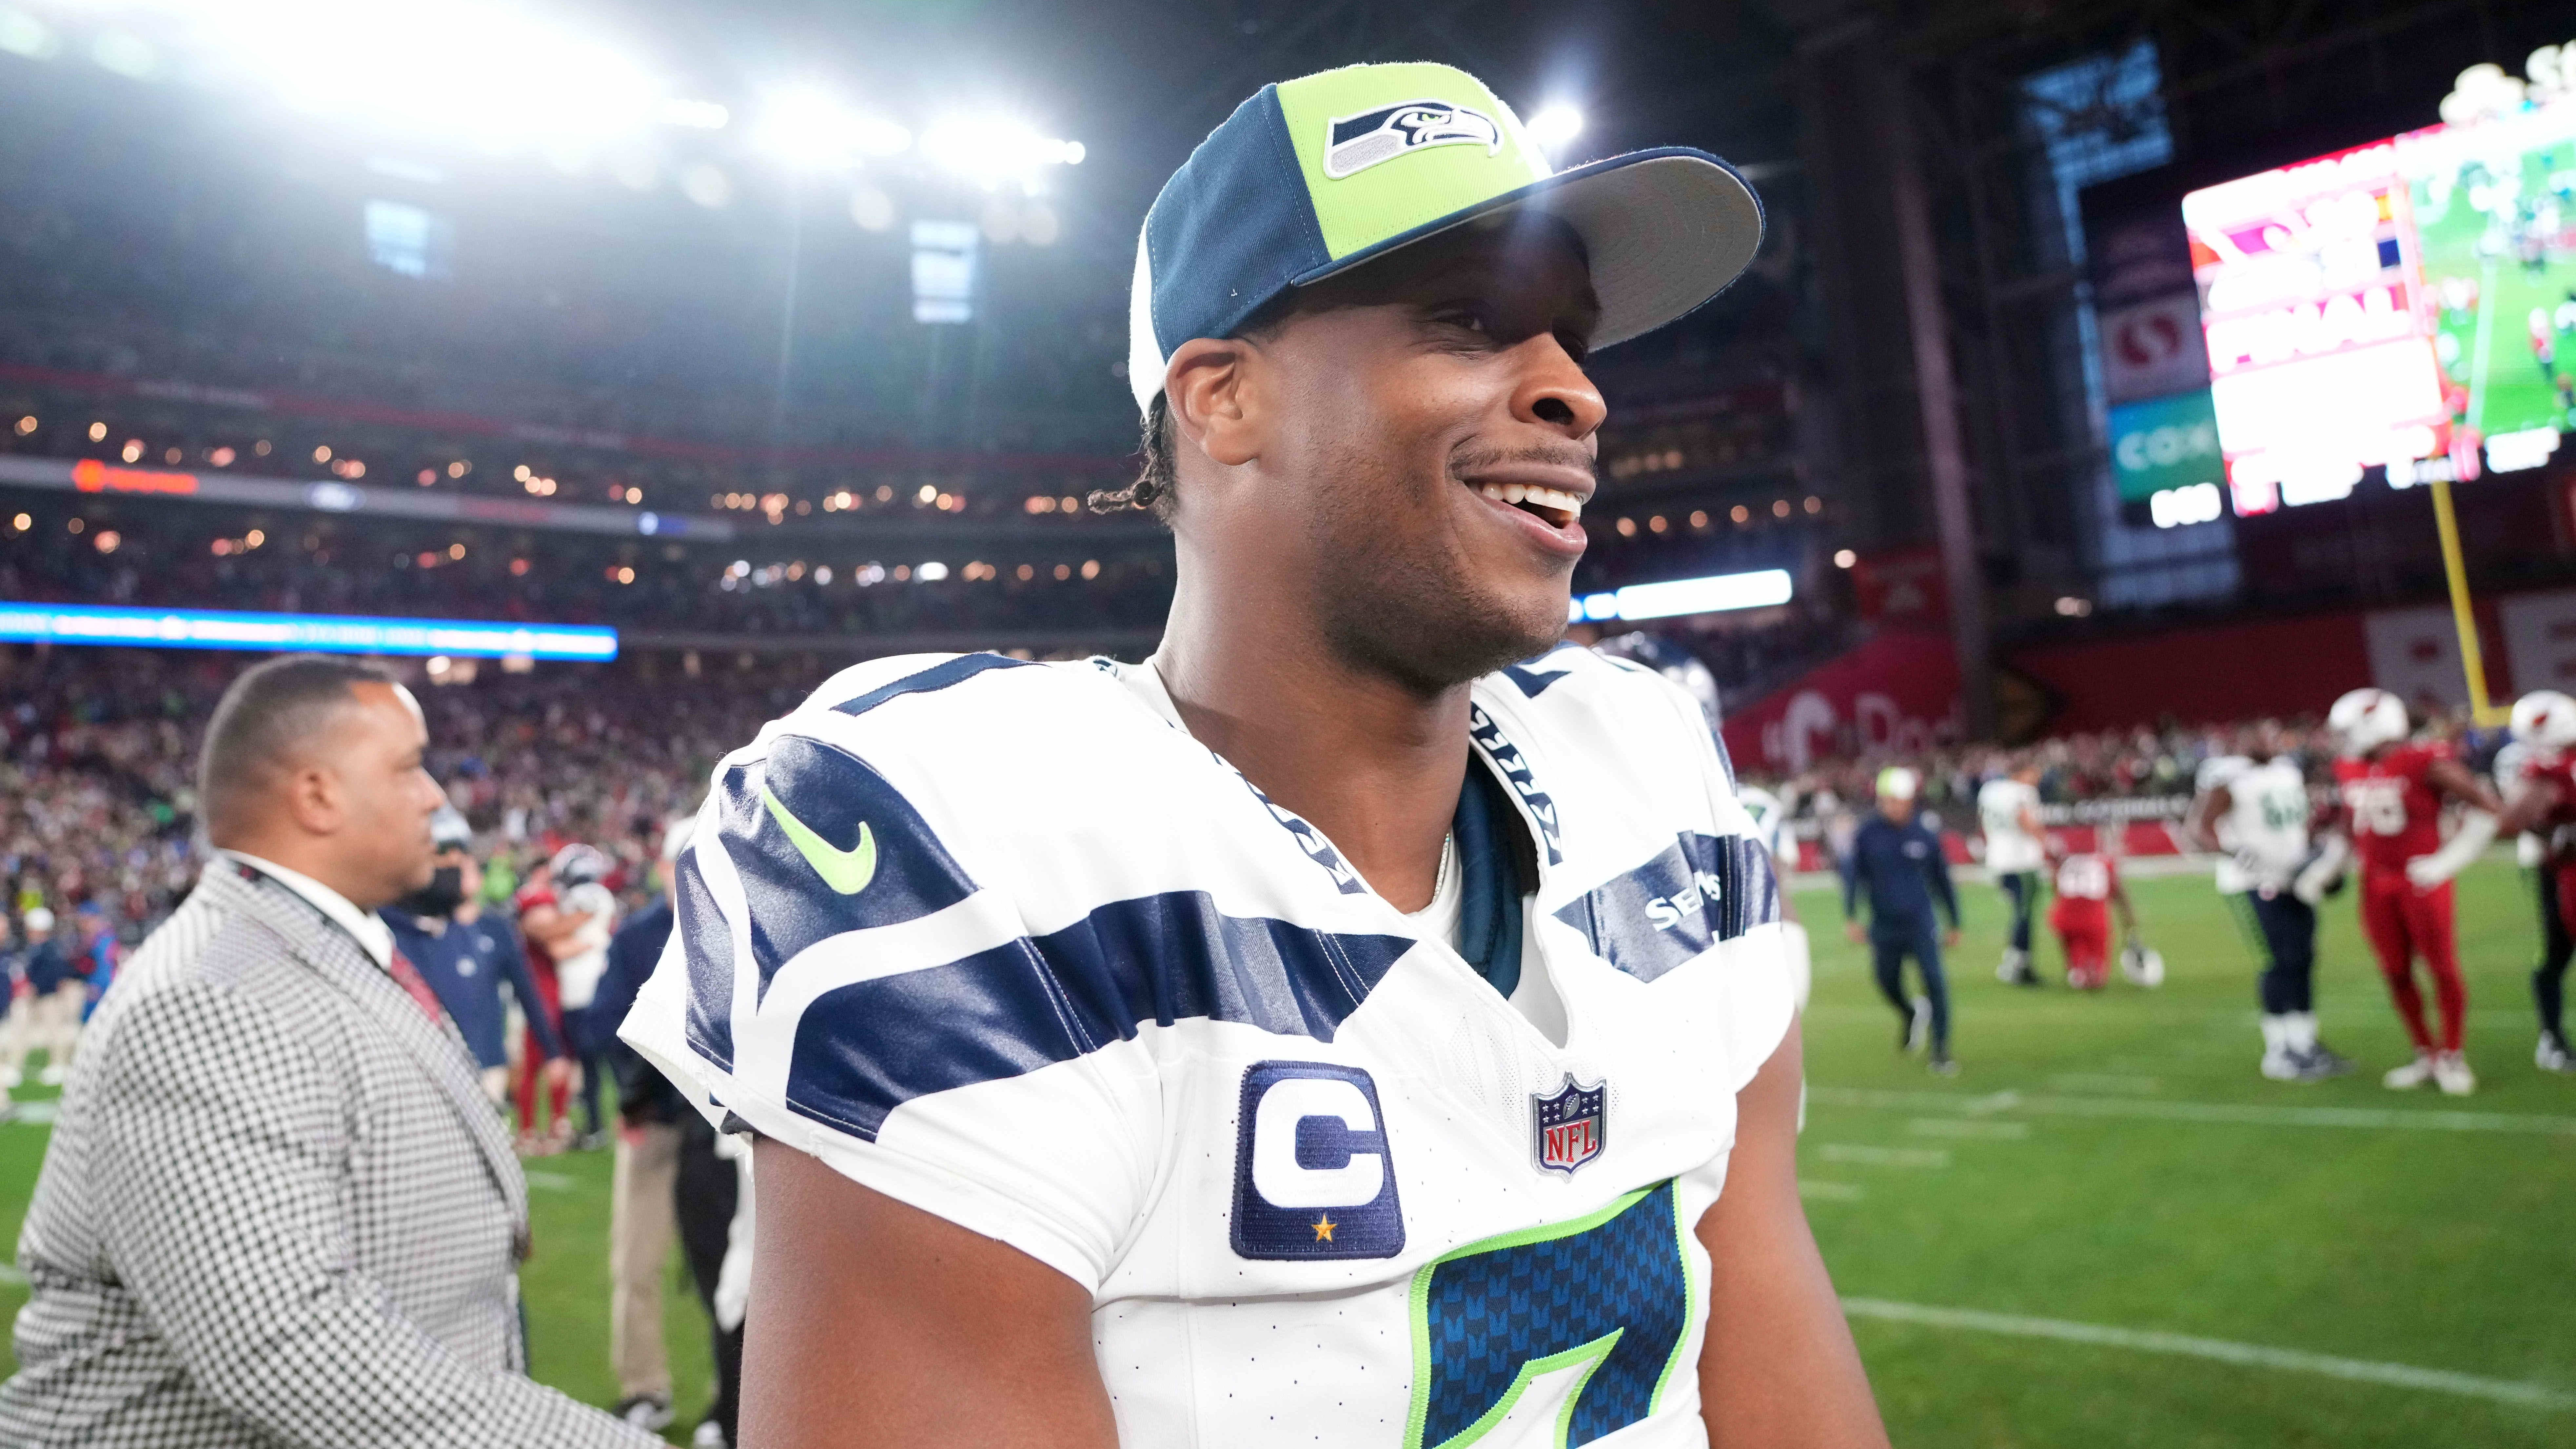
(2511, 393)
(2446, 1250)
(2436, 1249)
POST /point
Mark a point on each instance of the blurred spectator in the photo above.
(45, 1003)
(467, 959)
(100, 954)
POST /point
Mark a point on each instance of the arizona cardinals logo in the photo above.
(1356, 143)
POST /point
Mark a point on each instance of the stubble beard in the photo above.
(1411, 615)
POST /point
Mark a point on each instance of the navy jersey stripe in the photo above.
(937, 676)
(1696, 892)
(866, 1048)
(847, 805)
(707, 948)
(1532, 679)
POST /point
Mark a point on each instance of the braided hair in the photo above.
(1156, 473)
(1157, 484)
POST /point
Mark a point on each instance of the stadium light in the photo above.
(324, 633)
(24, 34)
(489, 73)
(810, 129)
(1554, 126)
(1713, 594)
(692, 115)
(991, 152)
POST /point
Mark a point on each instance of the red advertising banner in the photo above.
(1896, 694)
(1903, 587)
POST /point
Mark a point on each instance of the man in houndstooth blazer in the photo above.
(278, 1208)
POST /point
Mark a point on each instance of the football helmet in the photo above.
(448, 830)
(2545, 720)
(2365, 719)
(578, 865)
(1670, 660)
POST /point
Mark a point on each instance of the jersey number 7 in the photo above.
(1608, 1295)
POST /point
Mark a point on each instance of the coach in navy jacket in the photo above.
(465, 957)
(1896, 861)
(466, 963)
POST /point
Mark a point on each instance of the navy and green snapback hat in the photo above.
(1314, 176)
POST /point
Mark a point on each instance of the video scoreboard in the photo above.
(2407, 306)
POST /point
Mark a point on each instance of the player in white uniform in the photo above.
(1771, 826)
(2252, 808)
(2008, 810)
(1330, 1030)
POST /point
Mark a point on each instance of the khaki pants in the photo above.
(50, 1023)
(641, 1229)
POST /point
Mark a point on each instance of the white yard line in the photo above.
(2249, 1355)
(39, 1113)
(1931, 1159)
(1968, 1127)
(11, 1277)
(1829, 1191)
(2231, 1113)
(550, 1181)
(2105, 1086)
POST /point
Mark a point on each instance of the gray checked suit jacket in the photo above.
(277, 1210)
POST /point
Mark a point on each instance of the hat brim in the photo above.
(1664, 232)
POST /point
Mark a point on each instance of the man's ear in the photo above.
(313, 798)
(1207, 388)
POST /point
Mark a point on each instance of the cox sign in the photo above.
(2164, 444)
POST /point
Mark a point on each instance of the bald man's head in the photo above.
(315, 764)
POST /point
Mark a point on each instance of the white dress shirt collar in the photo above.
(365, 927)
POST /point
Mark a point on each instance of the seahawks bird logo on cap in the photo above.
(1356, 143)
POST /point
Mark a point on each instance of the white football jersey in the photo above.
(2265, 829)
(1000, 941)
(1770, 824)
(2010, 849)
(2529, 848)
(585, 957)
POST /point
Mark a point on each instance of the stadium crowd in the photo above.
(97, 749)
(733, 589)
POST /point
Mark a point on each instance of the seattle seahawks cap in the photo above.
(1312, 177)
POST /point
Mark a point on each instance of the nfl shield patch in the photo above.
(1570, 1128)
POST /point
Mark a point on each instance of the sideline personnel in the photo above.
(277, 1208)
(466, 957)
(1897, 862)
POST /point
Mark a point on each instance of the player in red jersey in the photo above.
(2391, 792)
(2088, 891)
(547, 928)
(2541, 801)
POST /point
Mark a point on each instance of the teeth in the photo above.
(1557, 498)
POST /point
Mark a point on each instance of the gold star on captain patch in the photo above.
(1324, 1228)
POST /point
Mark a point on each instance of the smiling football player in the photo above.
(1366, 1021)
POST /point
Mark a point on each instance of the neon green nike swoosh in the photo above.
(847, 872)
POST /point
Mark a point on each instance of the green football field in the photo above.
(2106, 1231)
(2490, 345)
